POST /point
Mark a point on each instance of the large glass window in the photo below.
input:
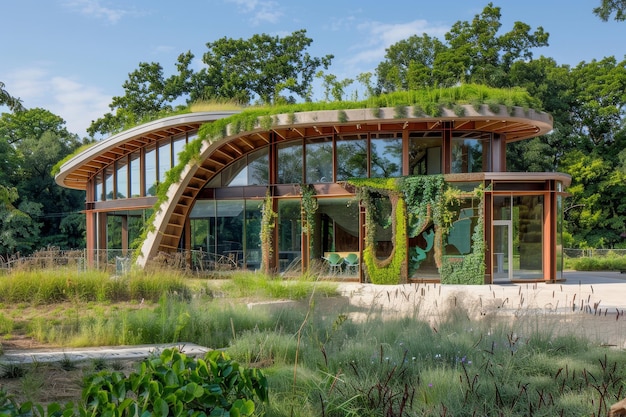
(470, 155)
(108, 184)
(319, 161)
(135, 175)
(424, 153)
(386, 155)
(150, 171)
(289, 232)
(259, 167)
(122, 178)
(252, 243)
(250, 170)
(351, 157)
(99, 188)
(165, 158)
(179, 145)
(290, 163)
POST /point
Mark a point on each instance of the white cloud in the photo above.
(94, 8)
(262, 11)
(78, 104)
(379, 36)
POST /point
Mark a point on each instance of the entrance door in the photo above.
(502, 250)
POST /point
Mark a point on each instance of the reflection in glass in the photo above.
(258, 167)
(424, 154)
(470, 155)
(351, 157)
(122, 178)
(290, 163)
(179, 145)
(135, 175)
(99, 189)
(289, 232)
(151, 174)
(319, 161)
(386, 156)
(165, 158)
(108, 184)
(252, 244)
(528, 236)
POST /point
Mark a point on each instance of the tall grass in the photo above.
(325, 357)
(59, 285)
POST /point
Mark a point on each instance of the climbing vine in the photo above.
(470, 268)
(309, 208)
(416, 204)
(268, 222)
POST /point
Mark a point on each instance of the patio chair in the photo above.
(334, 261)
(352, 263)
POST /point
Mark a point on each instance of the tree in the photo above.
(608, 7)
(34, 208)
(247, 70)
(14, 104)
(147, 94)
(473, 53)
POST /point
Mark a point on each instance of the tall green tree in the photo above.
(252, 69)
(474, 52)
(608, 8)
(6, 99)
(147, 93)
(37, 212)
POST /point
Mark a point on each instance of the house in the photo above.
(416, 195)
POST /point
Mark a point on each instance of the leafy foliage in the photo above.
(175, 384)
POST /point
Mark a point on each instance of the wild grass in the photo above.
(610, 262)
(50, 286)
(326, 357)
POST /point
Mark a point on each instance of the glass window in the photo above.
(386, 156)
(319, 161)
(165, 158)
(424, 154)
(229, 229)
(351, 157)
(250, 170)
(179, 145)
(252, 244)
(150, 172)
(290, 163)
(108, 184)
(236, 174)
(135, 175)
(289, 232)
(99, 189)
(470, 155)
(122, 178)
(258, 167)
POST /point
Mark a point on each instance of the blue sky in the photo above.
(72, 56)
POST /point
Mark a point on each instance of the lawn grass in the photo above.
(326, 357)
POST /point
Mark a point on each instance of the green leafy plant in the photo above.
(268, 222)
(175, 384)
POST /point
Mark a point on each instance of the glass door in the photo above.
(502, 250)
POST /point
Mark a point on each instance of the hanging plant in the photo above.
(268, 222)
(309, 208)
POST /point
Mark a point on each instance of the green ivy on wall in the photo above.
(469, 269)
(418, 202)
(268, 222)
(309, 208)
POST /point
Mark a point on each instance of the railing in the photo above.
(590, 253)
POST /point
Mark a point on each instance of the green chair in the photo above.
(334, 261)
(352, 263)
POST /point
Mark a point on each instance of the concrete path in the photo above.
(118, 353)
